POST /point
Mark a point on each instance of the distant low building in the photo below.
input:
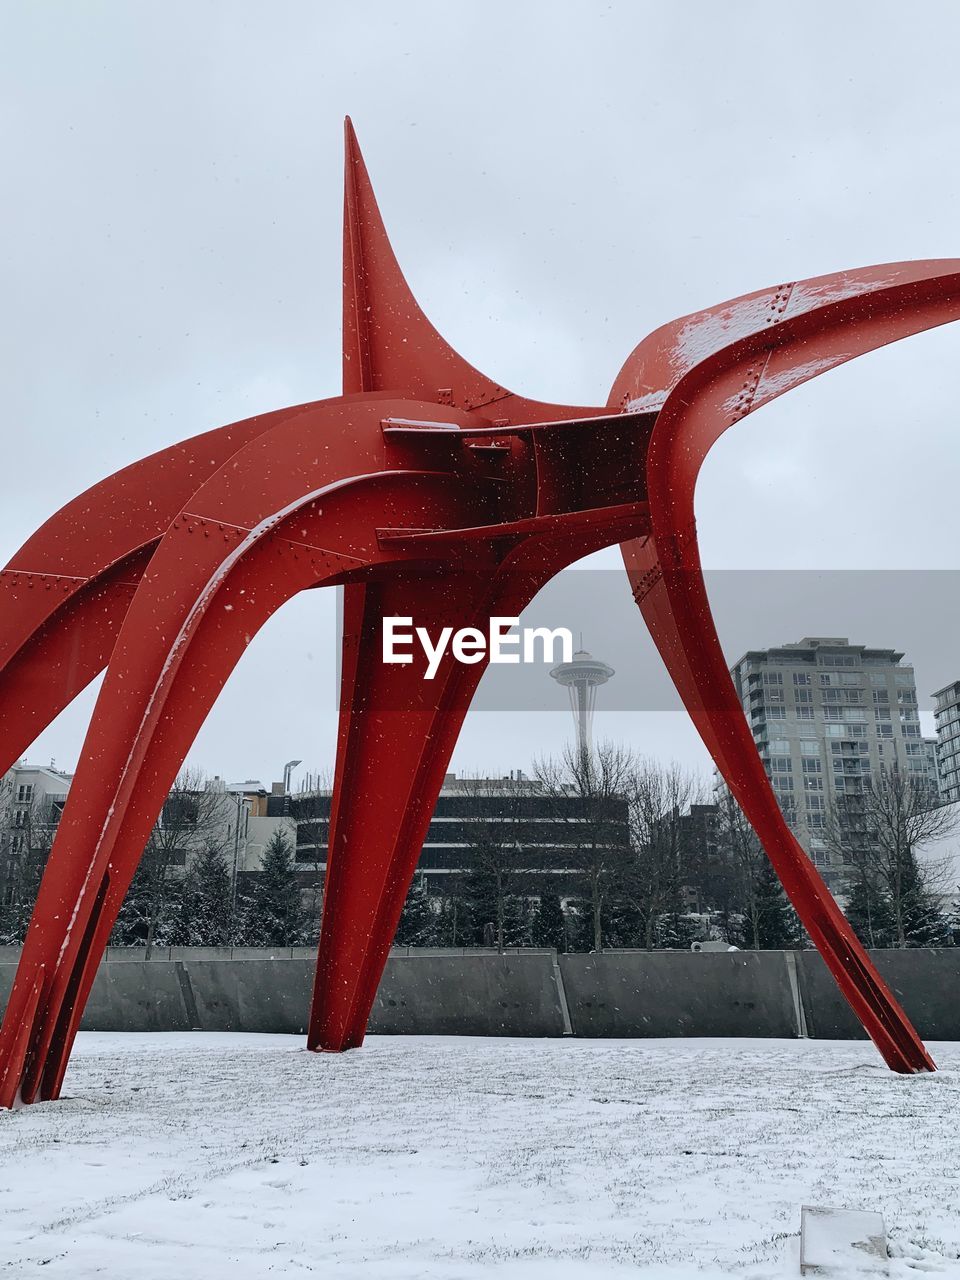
(699, 837)
(543, 831)
(31, 797)
(232, 816)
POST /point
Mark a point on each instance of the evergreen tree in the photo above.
(149, 915)
(516, 921)
(870, 914)
(420, 925)
(624, 924)
(580, 926)
(204, 915)
(481, 907)
(778, 925)
(675, 931)
(924, 924)
(273, 916)
(549, 926)
(770, 922)
(953, 923)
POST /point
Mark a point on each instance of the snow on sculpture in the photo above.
(424, 490)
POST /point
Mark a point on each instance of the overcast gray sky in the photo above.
(557, 178)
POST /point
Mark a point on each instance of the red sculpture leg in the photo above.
(182, 636)
(98, 847)
(676, 610)
(397, 733)
(666, 574)
(16, 1053)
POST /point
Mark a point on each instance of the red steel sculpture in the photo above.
(425, 490)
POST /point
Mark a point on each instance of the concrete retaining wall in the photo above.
(676, 993)
(522, 993)
(478, 995)
(432, 994)
(925, 980)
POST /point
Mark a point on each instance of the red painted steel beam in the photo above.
(705, 373)
(425, 490)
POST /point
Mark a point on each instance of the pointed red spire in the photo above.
(388, 343)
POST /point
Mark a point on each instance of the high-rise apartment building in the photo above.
(947, 712)
(825, 714)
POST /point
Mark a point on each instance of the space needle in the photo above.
(582, 676)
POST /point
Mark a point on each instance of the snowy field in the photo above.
(231, 1157)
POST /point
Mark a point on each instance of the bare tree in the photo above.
(590, 791)
(195, 817)
(24, 850)
(658, 798)
(741, 858)
(498, 881)
(758, 913)
(878, 833)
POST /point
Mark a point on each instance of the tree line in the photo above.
(186, 890)
(658, 861)
(643, 856)
(628, 859)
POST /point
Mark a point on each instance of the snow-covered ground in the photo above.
(230, 1157)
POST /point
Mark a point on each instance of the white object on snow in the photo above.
(841, 1241)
